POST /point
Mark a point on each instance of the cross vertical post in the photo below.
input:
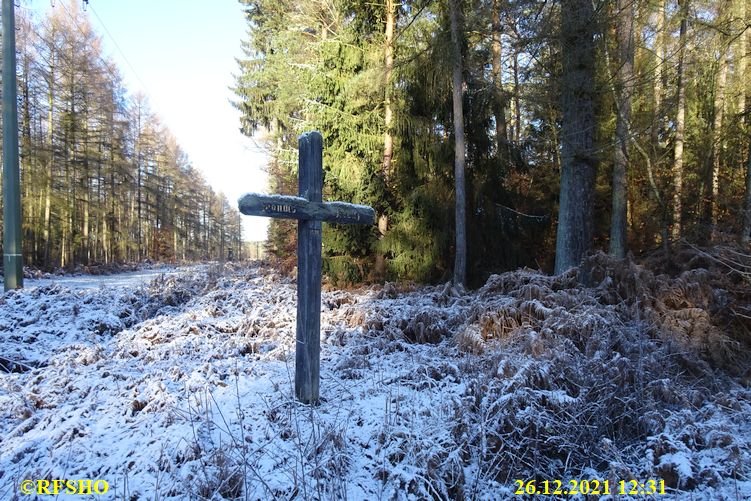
(310, 211)
(307, 354)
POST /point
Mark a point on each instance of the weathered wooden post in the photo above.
(310, 210)
(308, 354)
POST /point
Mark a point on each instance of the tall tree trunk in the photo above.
(27, 157)
(111, 215)
(717, 142)
(123, 240)
(63, 247)
(578, 163)
(658, 119)
(130, 219)
(67, 255)
(624, 81)
(99, 238)
(138, 157)
(50, 162)
(743, 53)
(388, 139)
(746, 232)
(680, 123)
(388, 119)
(460, 258)
(719, 115)
(105, 241)
(517, 99)
(659, 74)
(86, 202)
(499, 99)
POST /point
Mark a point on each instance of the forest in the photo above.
(102, 179)
(495, 134)
(553, 304)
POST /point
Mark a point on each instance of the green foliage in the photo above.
(321, 66)
(418, 240)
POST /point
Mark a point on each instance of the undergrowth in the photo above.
(608, 371)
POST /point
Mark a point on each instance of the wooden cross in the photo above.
(309, 209)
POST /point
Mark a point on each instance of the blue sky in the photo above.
(182, 54)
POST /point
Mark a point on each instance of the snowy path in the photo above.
(129, 279)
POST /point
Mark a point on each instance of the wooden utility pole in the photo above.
(12, 258)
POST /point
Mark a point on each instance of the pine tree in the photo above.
(579, 164)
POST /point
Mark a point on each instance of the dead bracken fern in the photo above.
(689, 310)
(610, 371)
(681, 310)
(595, 373)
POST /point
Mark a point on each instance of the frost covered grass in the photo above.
(184, 389)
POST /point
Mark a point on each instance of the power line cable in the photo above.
(107, 64)
(117, 46)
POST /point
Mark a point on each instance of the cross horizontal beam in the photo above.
(291, 207)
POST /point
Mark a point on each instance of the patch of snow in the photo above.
(130, 279)
(184, 389)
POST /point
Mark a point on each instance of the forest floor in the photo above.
(183, 388)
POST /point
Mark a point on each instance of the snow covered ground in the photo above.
(130, 279)
(183, 389)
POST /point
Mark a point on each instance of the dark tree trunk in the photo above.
(460, 259)
(578, 162)
(625, 41)
(499, 101)
(724, 10)
(746, 231)
(680, 124)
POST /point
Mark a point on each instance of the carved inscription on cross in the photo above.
(310, 210)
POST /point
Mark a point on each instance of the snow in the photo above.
(296, 200)
(129, 279)
(275, 199)
(183, 388)
(348, 205)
